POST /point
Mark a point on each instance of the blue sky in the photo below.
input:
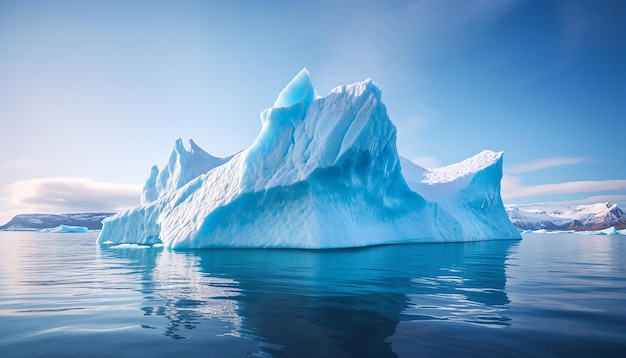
(93, 93)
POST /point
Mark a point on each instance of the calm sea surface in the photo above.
(547, 295)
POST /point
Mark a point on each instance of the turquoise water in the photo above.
(547, 295)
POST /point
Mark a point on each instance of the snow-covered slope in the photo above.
(31, 222)
(468, 190)
(598, 216)
(324, 172)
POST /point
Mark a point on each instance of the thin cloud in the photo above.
(512, 187)
(544, 163)
(15, 163)
(70, 194)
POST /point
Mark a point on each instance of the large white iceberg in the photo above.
(324, 172)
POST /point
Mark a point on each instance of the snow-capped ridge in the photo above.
(462, 169)
(608, 231)
(483, 170)
(558, 217)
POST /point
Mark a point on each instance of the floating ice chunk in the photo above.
(130, 246)
(608, 231)
(67, 229)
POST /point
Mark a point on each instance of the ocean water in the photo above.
(549, 295)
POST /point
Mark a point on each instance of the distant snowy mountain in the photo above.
(558, 217)
(31, 222)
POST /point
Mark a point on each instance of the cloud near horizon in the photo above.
(512, 187)
(544, 164)
(58, 195)
(613, 199)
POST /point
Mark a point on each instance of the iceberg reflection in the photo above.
(173, 286)
(325, 303)
(185, 295)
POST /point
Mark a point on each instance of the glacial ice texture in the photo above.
(324, 172)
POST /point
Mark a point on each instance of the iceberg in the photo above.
(67, 229)
(324, 172)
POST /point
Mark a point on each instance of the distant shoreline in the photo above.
(36, 222)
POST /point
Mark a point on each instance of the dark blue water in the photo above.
(547, 295)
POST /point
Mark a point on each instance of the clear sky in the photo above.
(93, 93)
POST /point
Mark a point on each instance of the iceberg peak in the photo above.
(191, 147)
(299, 89)
(185, 164)
(360, 88)
(179, 147)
